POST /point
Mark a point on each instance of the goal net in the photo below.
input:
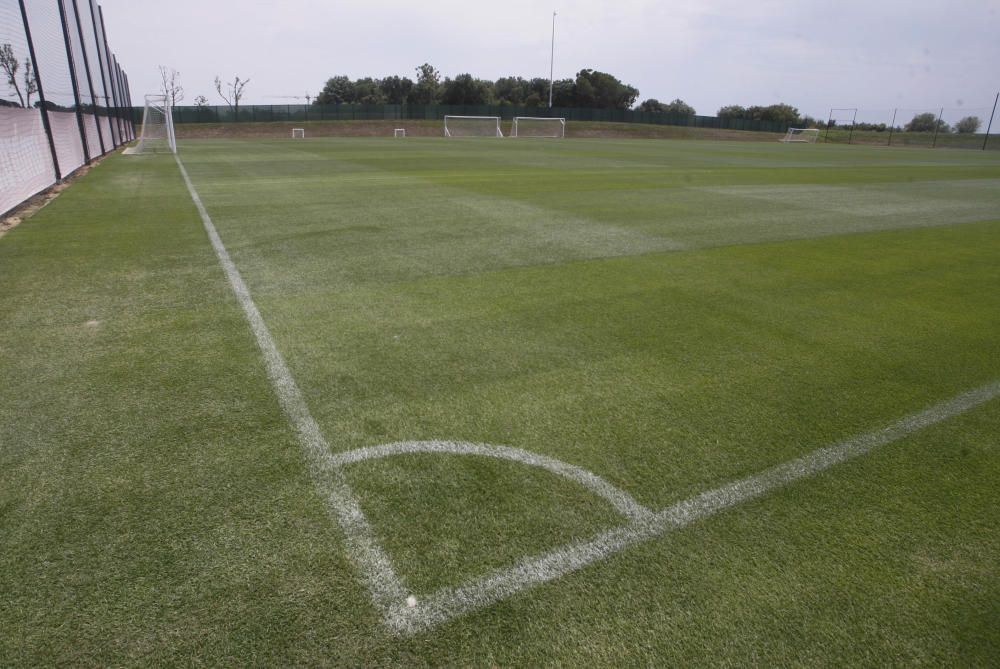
(533, 126)
(472, 126)
(809, 135)
(298, 133)
(157, 127)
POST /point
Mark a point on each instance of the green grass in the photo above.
(668, 315)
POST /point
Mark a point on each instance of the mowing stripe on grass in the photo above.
(406, 615)
(385, 586)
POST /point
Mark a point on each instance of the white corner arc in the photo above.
(618, 498)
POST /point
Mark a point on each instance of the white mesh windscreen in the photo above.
(25, 158)
(54, 71)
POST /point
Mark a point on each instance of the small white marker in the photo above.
(411, 601)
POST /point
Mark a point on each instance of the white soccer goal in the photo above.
(157, 128)
(298, 133)
(399, 132)
(472, 126)
(809, 135)
(534, 126)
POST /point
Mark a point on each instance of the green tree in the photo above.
(395, 89)
(778, 113)
(511, 90)
(651, 105)
(337, 90)
(926, 122)
(427, 90)
(466, 90)
(732, 111)
(968, 125)
(678, 106)
(367, 91)
(603, 91)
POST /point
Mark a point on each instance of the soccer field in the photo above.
(493, 402)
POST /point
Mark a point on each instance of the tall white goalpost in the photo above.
(535, 126)
(472, 126)
(809, 135)
(157, 134)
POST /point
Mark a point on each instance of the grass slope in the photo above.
(668, 315)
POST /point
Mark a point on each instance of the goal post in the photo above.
(535, 126)
(472, 126)
(298, 133)
(157, 134)
(807, 135)
(399, 132)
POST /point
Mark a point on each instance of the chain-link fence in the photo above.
(64, 100)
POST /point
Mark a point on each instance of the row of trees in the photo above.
(589, 89)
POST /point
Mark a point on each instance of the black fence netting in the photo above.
(59, 108)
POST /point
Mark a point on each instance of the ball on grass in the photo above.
(411, 601)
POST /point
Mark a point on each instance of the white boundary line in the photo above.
(400, 610)
(386, 588)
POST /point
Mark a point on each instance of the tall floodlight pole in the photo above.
(552, 58)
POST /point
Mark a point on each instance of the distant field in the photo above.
(435, 128)
(505, 403)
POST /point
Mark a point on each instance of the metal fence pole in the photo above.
(73, 80)
(102, 60)
(43, 106)
(988, 127)
(936, 127)
(86, 70)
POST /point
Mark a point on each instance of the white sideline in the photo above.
(386, 588)
(405, 614)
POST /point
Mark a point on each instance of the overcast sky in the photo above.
(814, 55)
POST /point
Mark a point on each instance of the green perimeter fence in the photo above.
(359, 112)
(838, 134)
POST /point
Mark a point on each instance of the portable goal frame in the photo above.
(490, 125)
(802, 135)
(157, 127)
(555, 127)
